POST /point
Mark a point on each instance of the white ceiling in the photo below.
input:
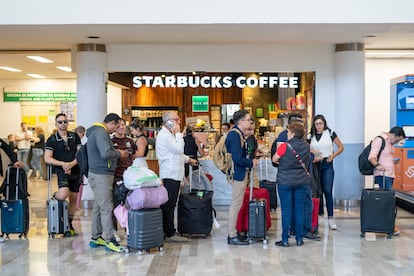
(56, 41)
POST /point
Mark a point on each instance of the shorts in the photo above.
(72, 181)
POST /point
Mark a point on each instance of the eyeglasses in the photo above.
(319, 123)
(62, 121)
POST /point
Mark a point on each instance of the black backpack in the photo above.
(82, 159)
(365, 167)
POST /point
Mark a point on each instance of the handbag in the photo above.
(139, 177)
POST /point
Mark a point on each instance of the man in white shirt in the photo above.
(23, 138)
(171, 159)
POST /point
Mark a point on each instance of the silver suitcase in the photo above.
(57, 211)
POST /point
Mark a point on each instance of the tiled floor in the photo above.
(340, 252)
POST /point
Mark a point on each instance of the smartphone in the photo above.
(170, 124)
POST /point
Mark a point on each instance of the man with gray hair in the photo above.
(171, 158)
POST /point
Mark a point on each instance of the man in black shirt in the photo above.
(60, 151)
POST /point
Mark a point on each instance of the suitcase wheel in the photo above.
(362, 234)
(265, 241)
(161, 248)
(389, 236)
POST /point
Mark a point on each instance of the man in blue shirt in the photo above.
(236, 145)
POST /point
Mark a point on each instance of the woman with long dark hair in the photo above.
(322, 141)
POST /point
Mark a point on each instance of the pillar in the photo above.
(349, 118)
(91, 84)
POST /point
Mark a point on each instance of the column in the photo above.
(91, 84)
(349, 118)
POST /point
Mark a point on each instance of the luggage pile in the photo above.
(15, 205)
(141, 214)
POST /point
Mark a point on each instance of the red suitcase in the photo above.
(243, 217)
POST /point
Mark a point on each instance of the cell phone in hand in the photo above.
(170, 124)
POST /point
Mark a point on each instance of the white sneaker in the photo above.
(2, 239)
(332, 224)
(29, 173)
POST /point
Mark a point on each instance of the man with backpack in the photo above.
(236, 146)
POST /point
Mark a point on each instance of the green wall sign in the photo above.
(200, 103)
(39, 96)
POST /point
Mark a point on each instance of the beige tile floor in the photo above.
(340, 252)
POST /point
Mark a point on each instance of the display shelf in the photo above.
(151, 116)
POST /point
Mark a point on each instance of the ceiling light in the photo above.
(64, 68)
(40, 59)
(389, 53)
(10, 69)
(36, 76)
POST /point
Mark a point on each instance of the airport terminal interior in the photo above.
(340, 252)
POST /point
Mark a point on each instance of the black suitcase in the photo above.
(15, 176)
(270, 186)
(195, 211)
(57, 211)
(14, 212)
(257, 216)
(145, 229)
(378, 211)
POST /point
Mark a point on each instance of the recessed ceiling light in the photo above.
(36, 76)
(40, 59)
(64, 68)
(10, 69)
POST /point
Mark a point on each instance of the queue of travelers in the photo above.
(111, 151)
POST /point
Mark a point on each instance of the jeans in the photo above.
(326, 173)
(292, 199)
(307, 223)
(37, 155)
(168, 208)
(23, 155)
(102, 225)
(388, 181)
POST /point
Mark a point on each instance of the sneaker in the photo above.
(71, 233)
(29, 173)
(396, 233)
(94, 243)
(332, 224)
(113, 245)
(176, 238)
(2, 239)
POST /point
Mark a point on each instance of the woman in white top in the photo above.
(137, 129)
(322, 140)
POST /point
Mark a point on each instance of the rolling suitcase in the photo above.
(257, 216)
(270, 186)
(378, 211)
(242, 224)
(195, 211)
(145, 229)
(57, 211)
(14, 212)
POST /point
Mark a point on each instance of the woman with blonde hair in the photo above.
(137, 129)
(38, 151)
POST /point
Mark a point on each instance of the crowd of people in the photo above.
(111, 151)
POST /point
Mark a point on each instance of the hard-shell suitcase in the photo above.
(378, 211)
(257, 216)
(57, 211)
(14, 212)
(242, 224)
(270, 186)
(195, 211)
(145, 229)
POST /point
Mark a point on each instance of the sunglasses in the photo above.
(62, 121)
